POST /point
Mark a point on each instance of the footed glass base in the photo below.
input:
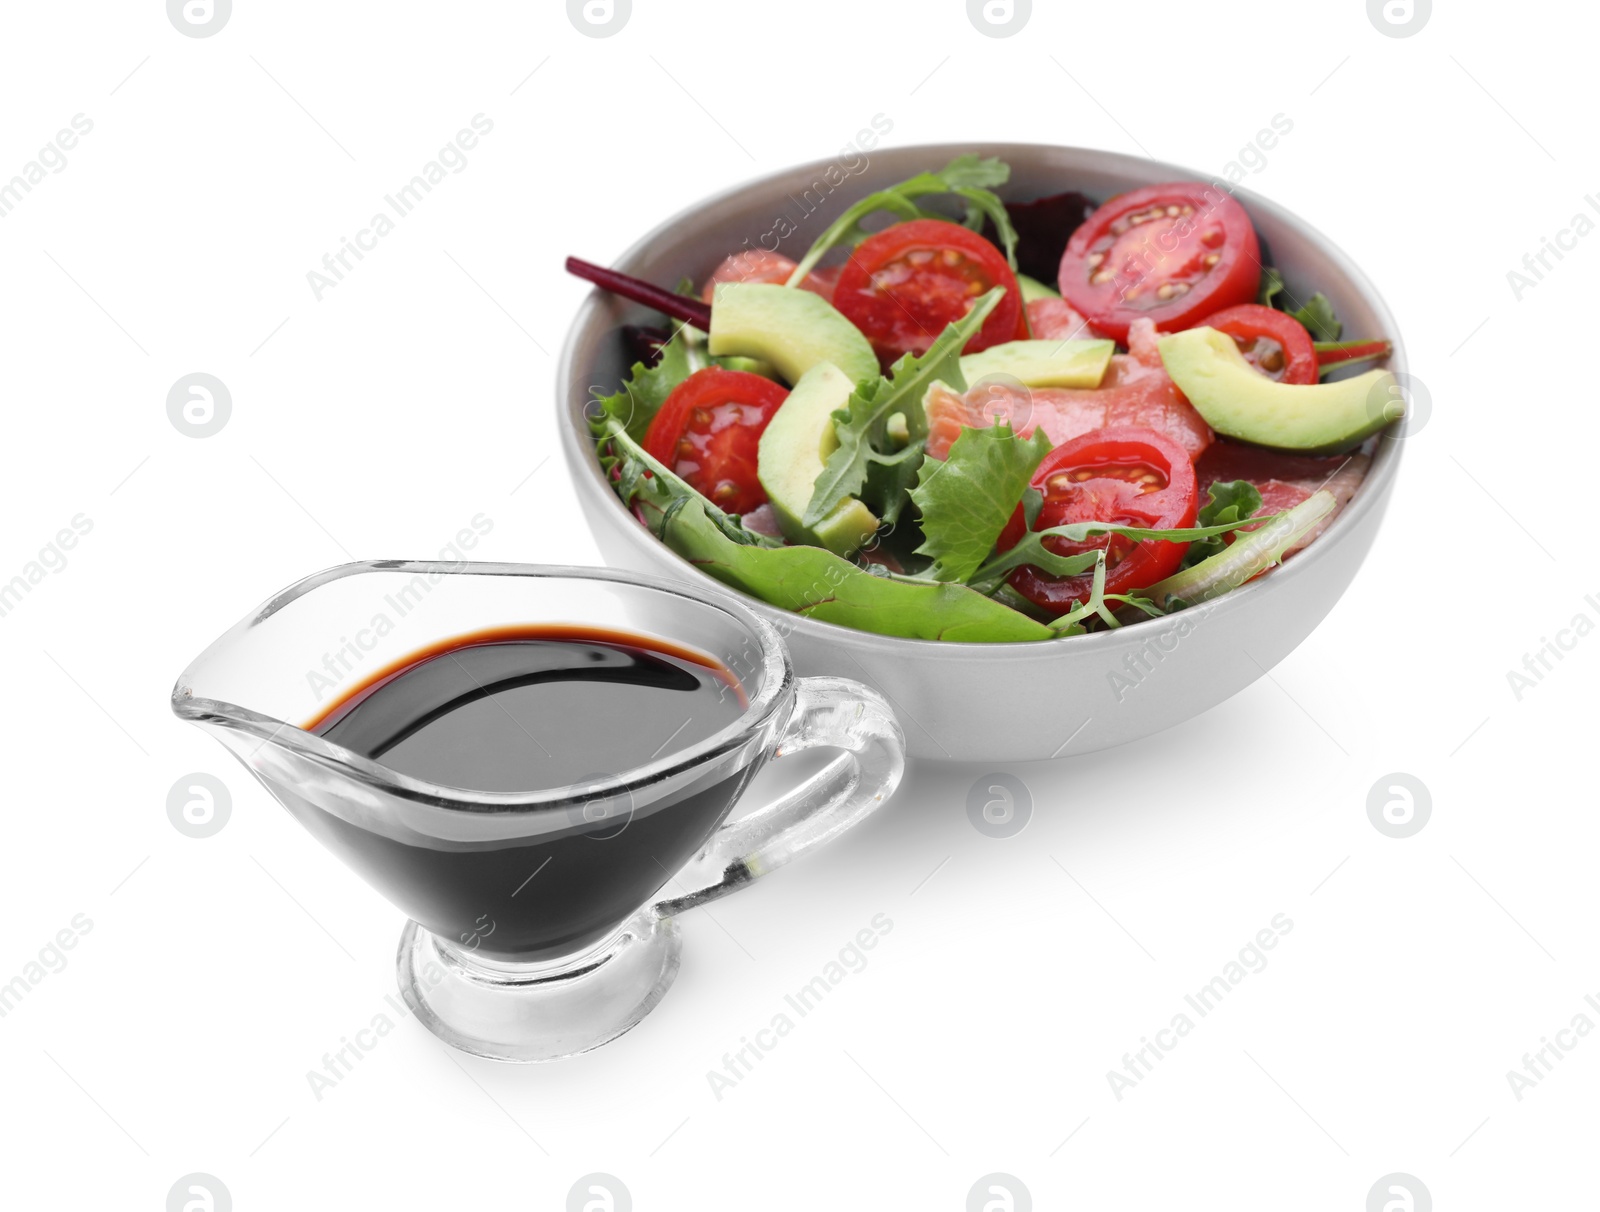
(539, 1011)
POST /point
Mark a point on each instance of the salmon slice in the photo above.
(1136, 390)
(1057, 319)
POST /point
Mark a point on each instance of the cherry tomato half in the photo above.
(1274, 343)
(905, 285)
(1126, 474)
(1172, 252)
(708, 431)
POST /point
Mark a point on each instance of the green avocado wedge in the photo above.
(791, 329)
(1239, 402)
(1032, 289)
(793, 451)
(1044, 363)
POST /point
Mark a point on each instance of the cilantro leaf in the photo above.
(635, 404)
(967, 177)
(967, 499)
(1231, 501)
(862, 425)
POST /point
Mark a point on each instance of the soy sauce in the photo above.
(531, 708)
(527, 709)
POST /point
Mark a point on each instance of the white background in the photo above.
(418, 393)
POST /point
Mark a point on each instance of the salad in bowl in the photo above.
(905, 433)
(1013, 433)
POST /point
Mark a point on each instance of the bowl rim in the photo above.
(578, 447)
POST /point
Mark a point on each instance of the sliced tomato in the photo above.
(1275, 343)
(905, 285)
(1127, 475)
(708, 431)
(764, 265)
(1172, 253)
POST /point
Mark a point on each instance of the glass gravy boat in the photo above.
(539, 928)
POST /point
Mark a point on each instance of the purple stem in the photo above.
(679, 307)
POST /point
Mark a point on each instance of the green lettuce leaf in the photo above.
(967, 499)
(967, 177)
(862, 425)
(1231, 501)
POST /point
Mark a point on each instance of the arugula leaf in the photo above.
(1099, 603)
(967, 499)
(967, 177)
(1030, 549)
(817, 584)
(971, 172)
(862, 424)
(984, 206)
(1319, 318)
(1231, 501)
(1071, 623)
(635, 404)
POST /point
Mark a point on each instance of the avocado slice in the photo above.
(791, 328)
(1042, 363)
(1032, 289)
(795, 446)
(754, 366)
(1239, 402)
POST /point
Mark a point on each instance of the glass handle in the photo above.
(829, 712)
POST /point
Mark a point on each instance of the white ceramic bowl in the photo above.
(1002, 702)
